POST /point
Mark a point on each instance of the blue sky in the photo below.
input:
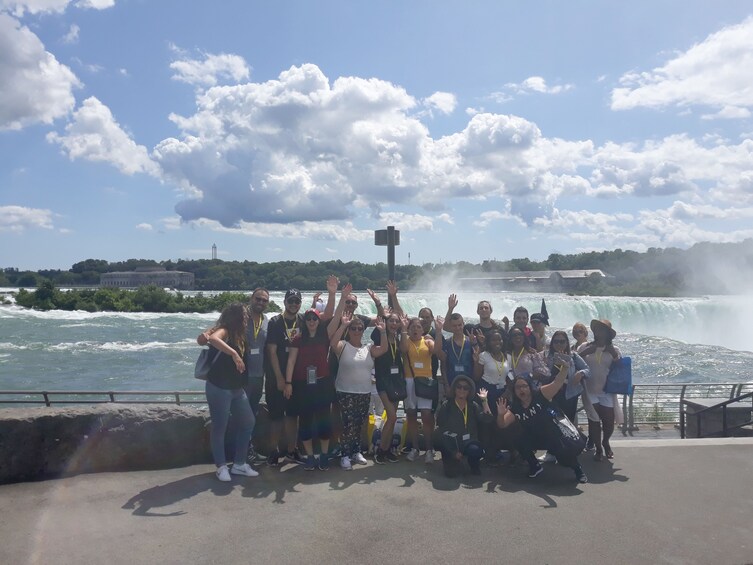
(292, 130)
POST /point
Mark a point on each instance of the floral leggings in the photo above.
(354, 409)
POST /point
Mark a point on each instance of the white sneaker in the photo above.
(223, 474)
(359, 459)
(547, 458)
(429, 456)
(345, 463)
(245, 470)
(412, 455)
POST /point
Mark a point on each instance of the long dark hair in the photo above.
(234, 320)
(563, 334)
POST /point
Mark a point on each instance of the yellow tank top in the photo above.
(419, 359)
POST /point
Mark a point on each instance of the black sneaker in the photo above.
(391, 457)
(274, 458)
(295, 457)
(254, 456)
(407, 448)
(580, 475)
(535, 470)
(379, 457)
(323, 462)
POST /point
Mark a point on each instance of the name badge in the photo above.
(459, 369)
(418, 365)
(500, 386)
(394, 370)
(287, 350)
(311, 374)
(254, 351)
(466, 437)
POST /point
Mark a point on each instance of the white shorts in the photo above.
(413, 402)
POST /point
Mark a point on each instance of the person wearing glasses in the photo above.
(522, 360)
(580, 334)
(458, 423)
(310, 387)
(566, 398)
(283, 328)
(353, 382)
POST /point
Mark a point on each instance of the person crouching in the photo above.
(458, 420)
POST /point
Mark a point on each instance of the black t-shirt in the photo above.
(281, 332)
(384, 363)
(223, 373)
(537, 418)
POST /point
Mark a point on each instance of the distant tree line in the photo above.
(143, 299)
(707, 268)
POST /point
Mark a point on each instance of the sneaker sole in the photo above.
(536, 474)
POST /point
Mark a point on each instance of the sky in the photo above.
(291, 130)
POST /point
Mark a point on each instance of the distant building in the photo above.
(543, 281)
(144, 276)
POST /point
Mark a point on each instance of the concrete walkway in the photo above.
(657, 502)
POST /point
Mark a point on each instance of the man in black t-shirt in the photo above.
(281, 331)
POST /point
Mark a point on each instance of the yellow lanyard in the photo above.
(457, 357)
(465, 413)
(598, 356)
(416, 347)
(515, 361)
(393, 350)
(257, 329)
(288, 331)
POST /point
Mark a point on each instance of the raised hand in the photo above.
(346, 319)
(480, 338)
(452, 302)
(346, 290)
(332, 283)
(316, 298)
(405, 322)
(379, 324)
(482, 393)
(476, 354)
(438, 323)
(391, 288)
(471, 338)
(502, 408)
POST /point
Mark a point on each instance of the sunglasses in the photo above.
(356, 328)
(559, 341)
(462, 387)
(311, 319)
(351, 302)
(294, 300)
(580, 332)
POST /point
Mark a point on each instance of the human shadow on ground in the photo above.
(162, 496)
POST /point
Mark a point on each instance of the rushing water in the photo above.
(670, 340)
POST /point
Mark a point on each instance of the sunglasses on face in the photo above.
(294, 300)
(351, 302)
(356, 328)
(311, 319)
(463, 387)
(579, 332)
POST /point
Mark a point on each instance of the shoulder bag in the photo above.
(620, 377)
(204, 363)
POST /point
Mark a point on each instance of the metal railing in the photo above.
(65, 397)
(662, 403)
(726, 427)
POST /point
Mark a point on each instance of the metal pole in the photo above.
(390, 257)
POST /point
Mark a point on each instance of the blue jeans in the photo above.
(224, 404)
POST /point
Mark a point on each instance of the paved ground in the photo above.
(658, 502)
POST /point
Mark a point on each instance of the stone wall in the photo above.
(44, 442)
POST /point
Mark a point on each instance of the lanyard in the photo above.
(598, 356)
(515, 361)
(257, 329)
(457, 356)
(393, 350)
(464, 411)
(288, 330)
(417, 347)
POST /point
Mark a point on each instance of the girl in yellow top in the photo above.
(417, 351)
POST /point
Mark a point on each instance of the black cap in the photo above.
(293, 292)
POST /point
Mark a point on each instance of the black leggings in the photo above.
(526, 444)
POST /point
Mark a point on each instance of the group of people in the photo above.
(483, 391)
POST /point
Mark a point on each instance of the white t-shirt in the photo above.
(354, 372)
(494, 371)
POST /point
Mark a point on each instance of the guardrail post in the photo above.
(46, 399)
(177, 398)
(111, 394)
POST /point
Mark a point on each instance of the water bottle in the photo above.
(376, 437)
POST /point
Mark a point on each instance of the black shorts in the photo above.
(277, 404)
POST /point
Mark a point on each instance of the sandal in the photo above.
(608, 452)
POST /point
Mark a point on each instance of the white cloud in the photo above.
(18, 219)
(343, 231)
(412, 222)
(35, 87)
(20, 7)
(94, 135)
(144, 227)
(72, 35)
(444, 102)
(537, 84)
(330, 250)
(211, 70)
(717, 72)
